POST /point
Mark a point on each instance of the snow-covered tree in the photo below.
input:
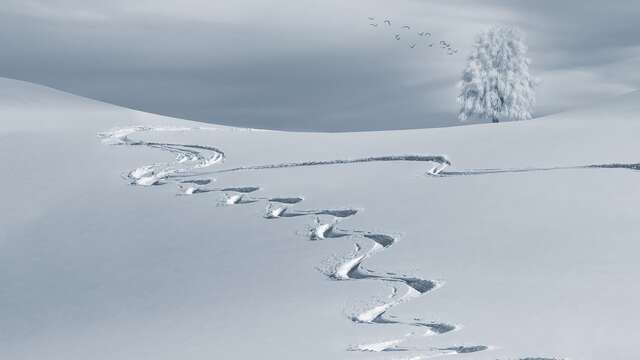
(496, 84)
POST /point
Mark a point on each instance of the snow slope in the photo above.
(127, 235)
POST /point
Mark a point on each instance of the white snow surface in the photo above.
(533, 226)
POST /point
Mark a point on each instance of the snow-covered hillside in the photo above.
(127, 235)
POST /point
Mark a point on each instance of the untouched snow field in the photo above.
(127, 235)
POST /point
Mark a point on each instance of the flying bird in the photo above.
(430, 45)
(371, 18)
(421, 33)
(397, 36)
(412, 45)
(388, 22)
(406, 27)
(374, 25)
(427, 34)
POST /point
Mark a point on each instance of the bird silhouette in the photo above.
(444, 45)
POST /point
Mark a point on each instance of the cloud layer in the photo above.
(309, 65)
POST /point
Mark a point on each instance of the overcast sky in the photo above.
(310, 65)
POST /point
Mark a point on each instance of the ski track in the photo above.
(441, 162)
(286, 200)
(432, 352)
(428, 352)
(389, 345)
(539, 358)
(471, 172)
(351, 269)
(187, 156)
(197, 181)
(190, 158)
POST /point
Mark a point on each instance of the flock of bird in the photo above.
(444, 45)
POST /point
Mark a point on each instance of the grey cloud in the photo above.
(306, 65)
